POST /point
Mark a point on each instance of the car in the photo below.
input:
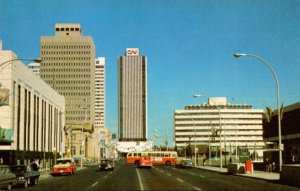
(7, 178)
(106, 164)
(25, 175)
(183, 163)
(64, 166)
(145, 161)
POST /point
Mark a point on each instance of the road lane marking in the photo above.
(94, 184)
(169, 174)
(192, 174)
(196, 188)
(180, 179)
(107, 175)
(139, 177)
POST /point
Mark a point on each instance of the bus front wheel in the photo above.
(168, 163)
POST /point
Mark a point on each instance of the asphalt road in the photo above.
(126, 177)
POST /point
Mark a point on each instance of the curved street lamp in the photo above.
(237, 55)
(38, 60)
(200, 95)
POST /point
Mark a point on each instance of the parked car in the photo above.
(64, 166)
(145, 161)
(25, 175)
(106, 164)
(7, 178)
(183, 163)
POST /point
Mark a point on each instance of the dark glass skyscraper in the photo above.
(132, 72)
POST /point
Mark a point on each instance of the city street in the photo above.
(126, 177)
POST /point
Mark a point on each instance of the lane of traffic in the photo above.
(157, 179)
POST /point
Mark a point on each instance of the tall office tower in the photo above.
(100, 93)
(69, 67)
(132, 71)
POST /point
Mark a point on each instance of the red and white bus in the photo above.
(158, 157)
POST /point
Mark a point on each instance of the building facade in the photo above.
(290, 133)
(238, 126)
(69, 67)
(132, 90)
(31, 116)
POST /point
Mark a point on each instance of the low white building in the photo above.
(237, 125)
(31, 115)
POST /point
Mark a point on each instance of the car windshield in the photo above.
(104, 161)
(64, 161)
(18, 169)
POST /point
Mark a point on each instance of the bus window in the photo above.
(129, 154)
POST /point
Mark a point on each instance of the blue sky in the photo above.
(189, 46)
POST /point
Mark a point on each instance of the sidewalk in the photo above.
(269, 176)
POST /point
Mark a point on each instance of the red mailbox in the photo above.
(249, 166)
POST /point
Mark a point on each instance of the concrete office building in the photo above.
(31, 115)
(132, 72)
(241, 126)
(69, 67)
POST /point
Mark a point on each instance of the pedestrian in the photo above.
(204, 161)
(268, 165)
(273, 167)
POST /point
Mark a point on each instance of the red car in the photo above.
(145, 161)
(64, 166)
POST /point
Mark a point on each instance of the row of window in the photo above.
(43, 76)
(208, 123)
(68, 82)
(65, 46)
(77, 118)
(65, 69)
(76, 93)
(66, 64)
(65, 52)
(66, 58)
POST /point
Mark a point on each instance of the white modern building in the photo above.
(35, 68)
(101, 136)
(31, 115)
(100, 93)
(237, 125)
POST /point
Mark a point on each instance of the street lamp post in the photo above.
(237, 55)
(38, 60)
(200, 95)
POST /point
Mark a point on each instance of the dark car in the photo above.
(7, 178)
(184, 163)
(106, 164)
(25, 175)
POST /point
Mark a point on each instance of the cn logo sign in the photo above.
(132, 51)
